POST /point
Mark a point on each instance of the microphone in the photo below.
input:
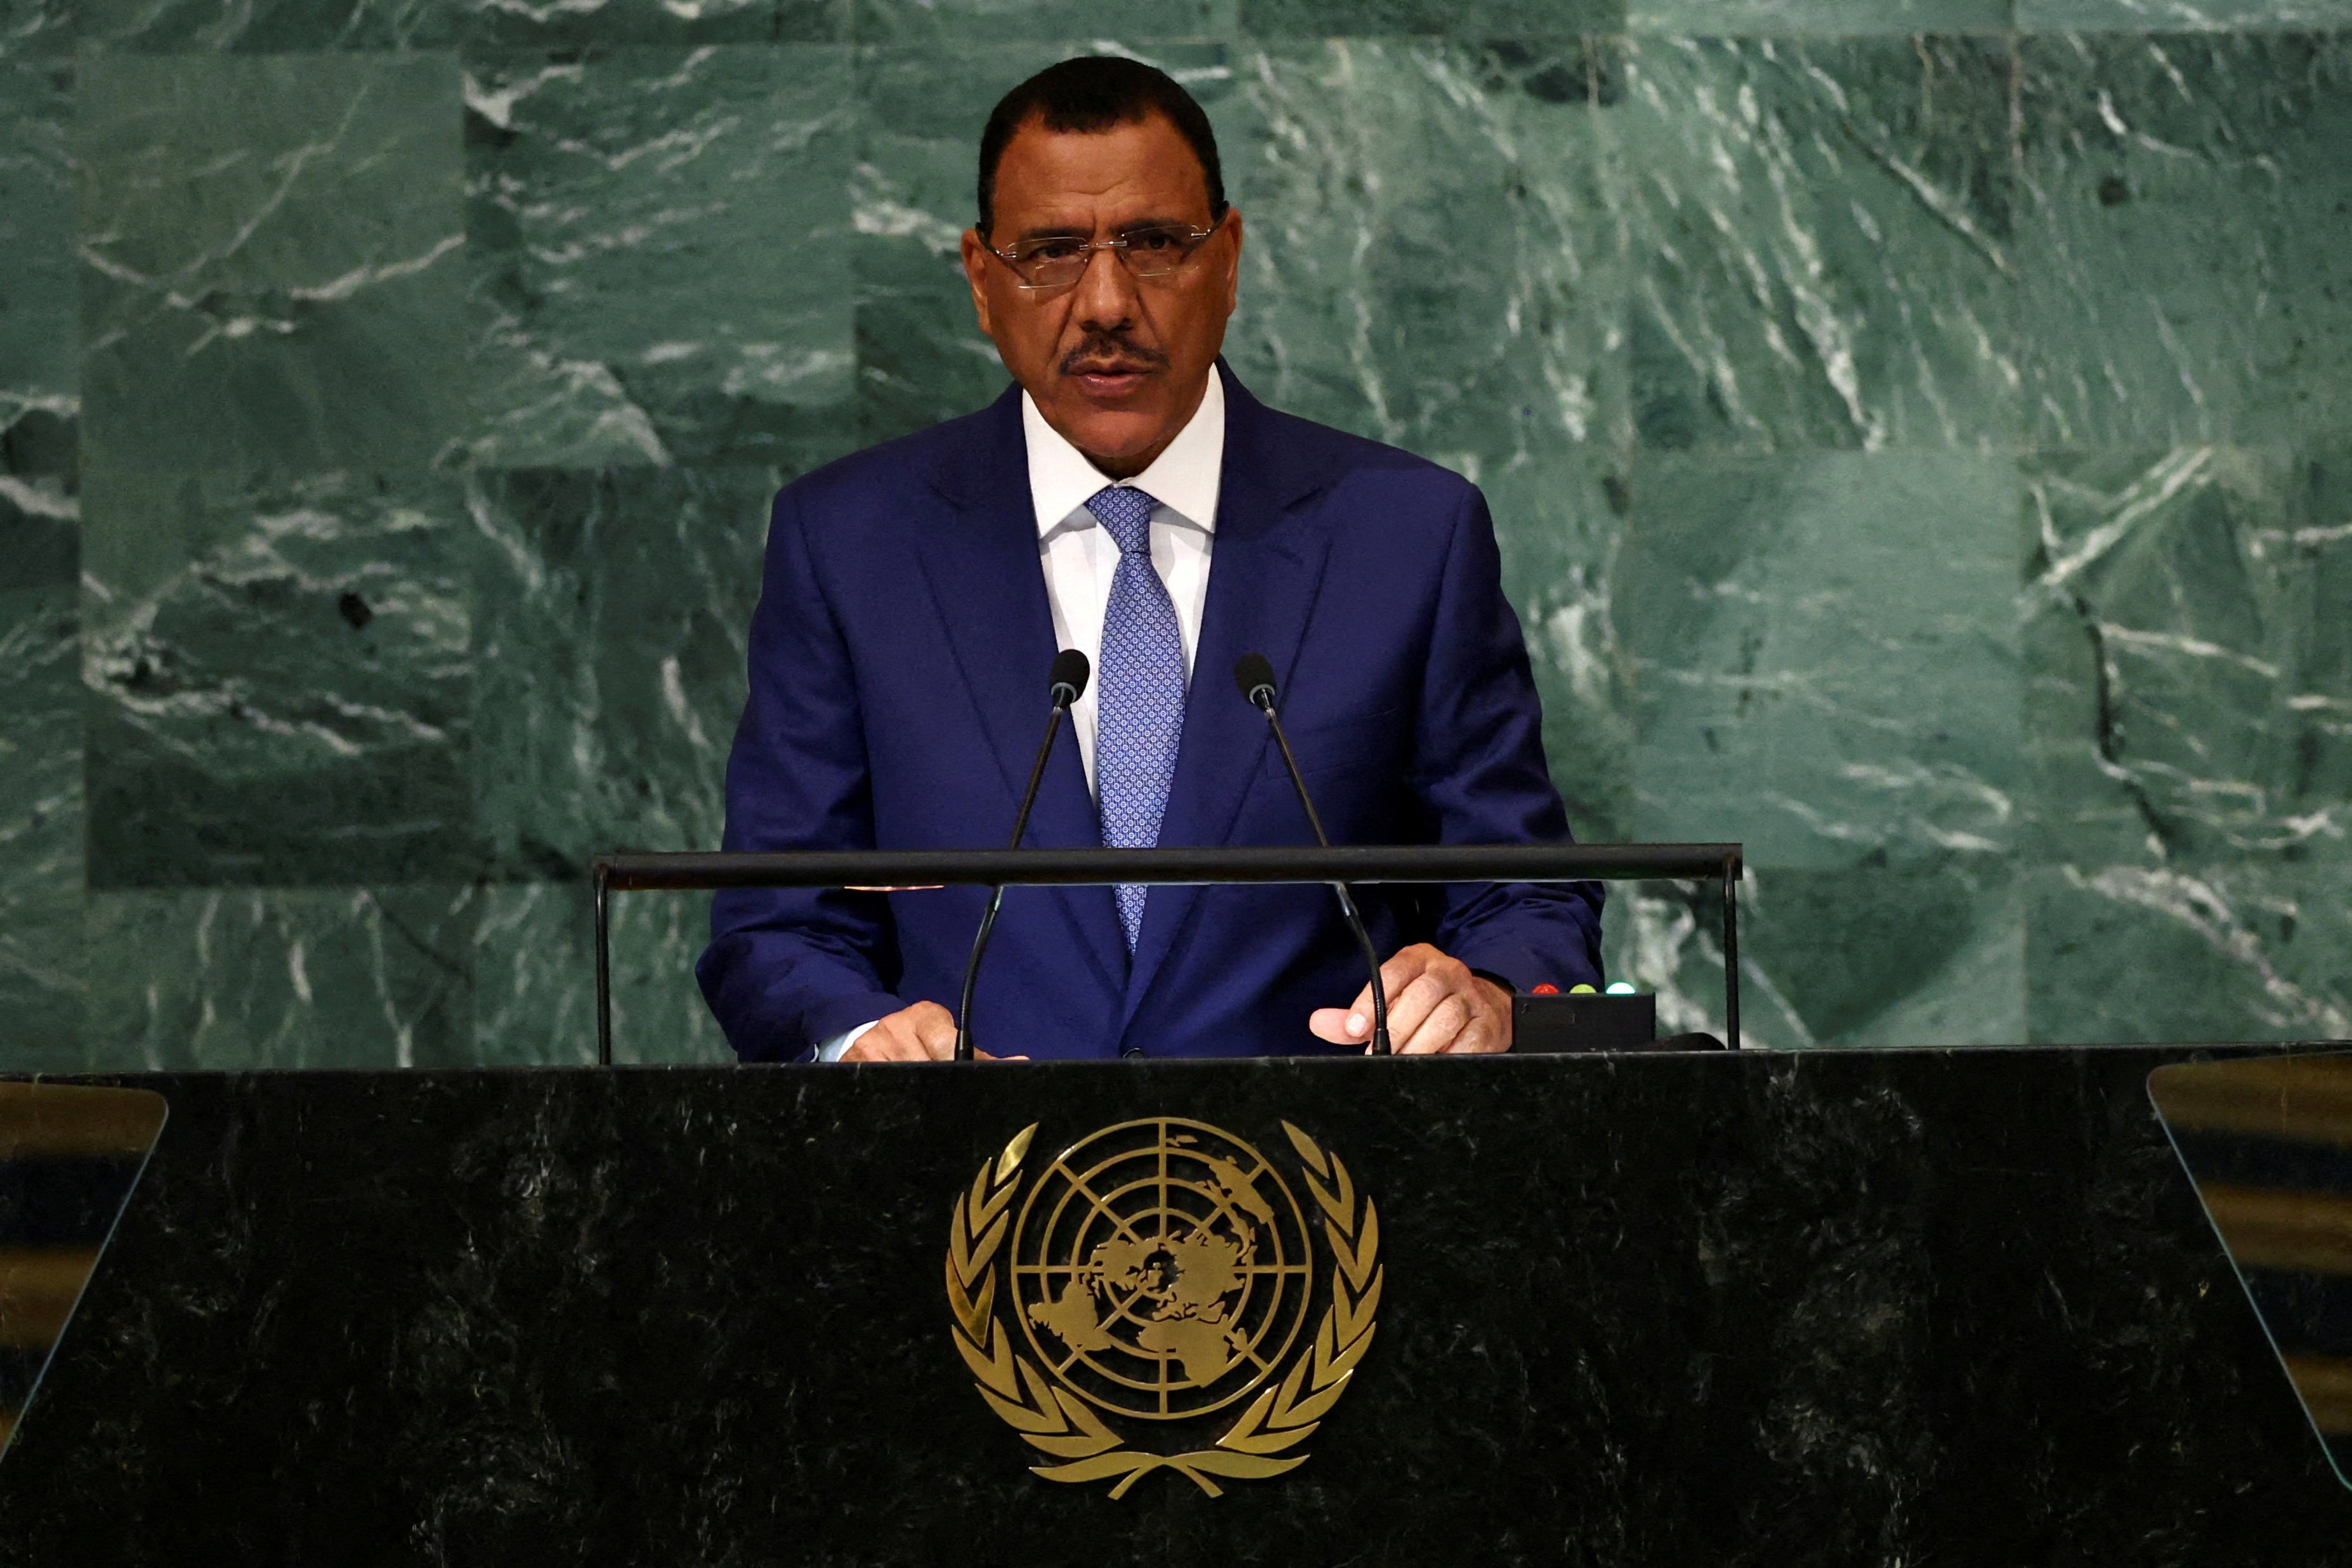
(1065, 683)
(1254, 673)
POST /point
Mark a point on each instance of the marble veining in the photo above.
(227, 330)
(2181, 15)
(1914, 430)
(1433, 276)
(2183, 278)
(284, 978)
(669, 282)
(290, 703)
(1827, 667)
(41, 802)
(614, 611)
(1822, 238)
(2189, 699)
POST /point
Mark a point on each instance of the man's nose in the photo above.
(1104, 301)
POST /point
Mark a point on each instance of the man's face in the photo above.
(1115, 363)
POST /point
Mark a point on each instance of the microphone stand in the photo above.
(1257, 685)
(1065, 691)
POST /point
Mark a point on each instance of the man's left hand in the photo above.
(1435, 1005)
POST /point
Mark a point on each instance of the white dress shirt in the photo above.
(1078, 554)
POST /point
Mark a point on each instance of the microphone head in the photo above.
(1254, 673)
(1066, 682)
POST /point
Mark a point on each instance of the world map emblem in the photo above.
(1163, 1271)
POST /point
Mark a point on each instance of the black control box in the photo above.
(1595, 1021)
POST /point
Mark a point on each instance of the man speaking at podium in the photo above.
(1130, 500)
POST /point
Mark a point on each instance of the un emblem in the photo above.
(1161, 1271)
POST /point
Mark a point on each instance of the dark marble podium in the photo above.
(1919, 1307)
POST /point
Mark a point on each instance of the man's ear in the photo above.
(1234, 263)
(975, 269)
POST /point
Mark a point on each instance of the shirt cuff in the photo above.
(834, 1049)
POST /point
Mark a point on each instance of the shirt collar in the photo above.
(1183, 479)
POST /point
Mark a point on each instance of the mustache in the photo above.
(1104, 352)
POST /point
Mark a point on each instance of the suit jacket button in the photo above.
(1133, 1052)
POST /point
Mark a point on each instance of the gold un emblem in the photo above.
(1161, 1271)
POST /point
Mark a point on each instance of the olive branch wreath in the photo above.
(1058, 1423)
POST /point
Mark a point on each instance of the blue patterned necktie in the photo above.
(1140, 692)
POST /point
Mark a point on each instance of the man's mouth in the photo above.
(1107, 375)
(1110, 376)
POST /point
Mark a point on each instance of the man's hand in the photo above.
(925, 1032)
(1435, 1005)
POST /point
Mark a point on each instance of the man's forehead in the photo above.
(1133, 169)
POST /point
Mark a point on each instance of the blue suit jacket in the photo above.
(897, 663)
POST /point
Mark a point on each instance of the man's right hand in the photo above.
(925, 1032)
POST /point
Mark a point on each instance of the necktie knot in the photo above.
(1125, 511)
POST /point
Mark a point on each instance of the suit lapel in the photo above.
(980, 563)
(1264, 570)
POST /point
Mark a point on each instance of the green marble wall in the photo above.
(1921, 432)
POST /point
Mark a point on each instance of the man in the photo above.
(1130, 498)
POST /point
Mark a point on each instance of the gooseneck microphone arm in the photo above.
(1064, 685)
(1254, 673)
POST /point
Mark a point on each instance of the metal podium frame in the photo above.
(909, 869)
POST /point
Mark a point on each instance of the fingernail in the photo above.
(1356, 1025)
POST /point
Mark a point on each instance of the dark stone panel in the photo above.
(574, 23)
(986, 22)
(1432, 257)
(269, 255)
(612, 611)
(1459, 18)
(1560, 521)
(41, 811)
(279, 683)
(658, 245)
(2179, 16)
(2188, 656)
(40, 378)
(2247, 1159)
(41, 799)
(1824, 654)
(41, 805)
(1821, 240)
(37, 29)
(1856, 1307)
(2141, 952)
(270, 977)
(1772, 18)
(2308, 1314)
(2185, 236)
(1925, 954)
(63, 1200)
(20, 1369)
(534, 978)
(265, 27)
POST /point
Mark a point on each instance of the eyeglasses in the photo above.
(1058, 260)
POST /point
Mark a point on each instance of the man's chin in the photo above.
(1113, 430)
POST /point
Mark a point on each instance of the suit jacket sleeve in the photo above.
(787, 968)
(1480, 774)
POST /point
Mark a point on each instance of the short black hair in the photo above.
(1094, 93)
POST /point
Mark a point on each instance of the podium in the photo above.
(1919, 1306)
